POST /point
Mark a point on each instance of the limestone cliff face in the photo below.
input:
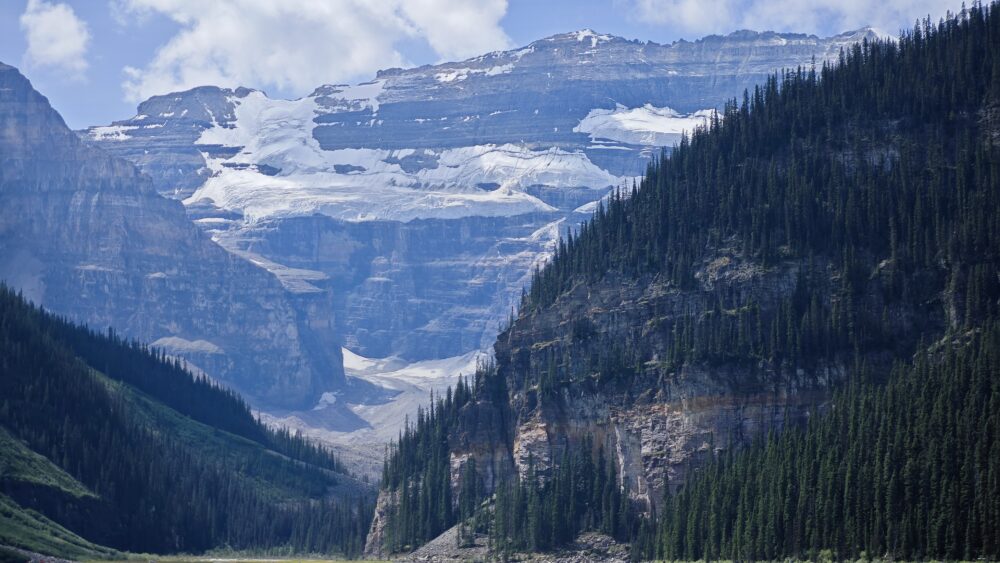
(420, 290)
(667, 418)
(87, 236)
(659, 425)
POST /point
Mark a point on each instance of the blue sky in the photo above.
(95, 59)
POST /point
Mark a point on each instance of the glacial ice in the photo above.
(279, 134)
(647, 125)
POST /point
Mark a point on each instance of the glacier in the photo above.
(363, 184)
(646, 125)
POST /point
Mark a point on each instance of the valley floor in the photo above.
(192, 559)
(10, 554)
(588, 547)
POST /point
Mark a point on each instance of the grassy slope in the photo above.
(28, 529)
(20, 464)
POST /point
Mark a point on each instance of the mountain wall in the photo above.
(598, 369)
(86, 235)
(426, 196)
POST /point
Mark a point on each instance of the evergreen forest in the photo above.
(878, 176)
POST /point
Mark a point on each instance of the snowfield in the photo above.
(646, 125)
(111, 132)
(370, 184)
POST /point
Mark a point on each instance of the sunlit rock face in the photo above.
(86, 235)
(422, 199)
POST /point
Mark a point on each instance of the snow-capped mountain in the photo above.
(482, 137)
(422, 199)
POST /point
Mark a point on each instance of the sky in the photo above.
(97, 59)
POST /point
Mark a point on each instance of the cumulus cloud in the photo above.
(813, 16)
(458, 29)
(295, 45)
(56, 37)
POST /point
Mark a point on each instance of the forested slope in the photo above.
(820, 234)
(910, 469)
(144, 456)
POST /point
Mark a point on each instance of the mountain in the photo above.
(806, 288)
(87, 235)
(107, 440)
(420, 201)
(596, 99)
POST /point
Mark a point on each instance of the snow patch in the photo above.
(352, 98)
(367, 93)
(647, 125)
(595, 38)
(111, 132)
(500, 69)
(520, 53)
(391, 372)
(279, 134)
(280, 170)
(327, 399)
(176, 345)
(460, 74)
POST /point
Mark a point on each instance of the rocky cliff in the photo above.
(86, 235)
(656, 424)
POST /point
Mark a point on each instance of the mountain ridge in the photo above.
(87, 234)
(420, 201)
(577, 36)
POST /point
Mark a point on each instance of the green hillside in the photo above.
(112, 442)
(27, 529)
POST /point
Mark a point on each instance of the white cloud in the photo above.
(459, 29)
(295, 45)
(812, 16)
(56, 37)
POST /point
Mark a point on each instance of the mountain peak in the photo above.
(866, 32)
(202, 103)
(31, 127)
(585, 35)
